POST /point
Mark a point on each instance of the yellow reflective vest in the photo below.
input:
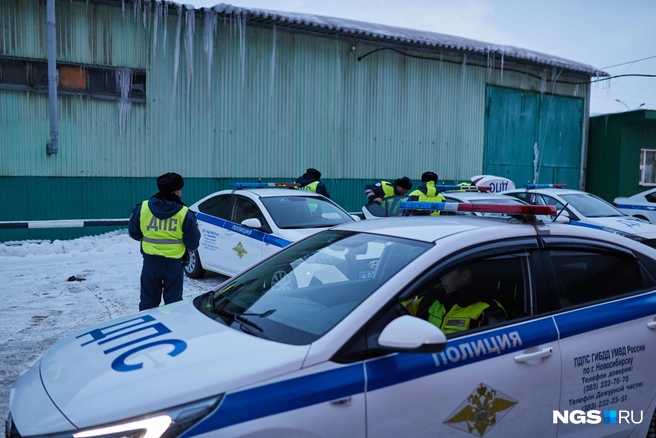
(431, 195)
(458, 319)
(162, 237)
(388, 188)
(312, 187)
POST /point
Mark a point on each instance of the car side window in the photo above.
(588, 276)
(474, 294)
(548, 200)
(217, 206)
(651, 197)
(247, 209)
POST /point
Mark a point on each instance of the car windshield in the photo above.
(303, 291)
(289, 212)
(591, 206)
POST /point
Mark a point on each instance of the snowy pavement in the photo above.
(39, 305)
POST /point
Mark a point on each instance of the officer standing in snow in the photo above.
(167, 229)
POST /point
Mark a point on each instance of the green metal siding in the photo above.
(39, 198)
(525, 130)
(268, 103)
(614, 152)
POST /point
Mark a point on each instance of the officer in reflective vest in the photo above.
(454, 306)
(310, 181)
(426, 192)
(167, 229)
(384, 189)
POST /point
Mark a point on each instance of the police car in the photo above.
(641, 206)
(586, 210)
(242, 226)
(331, 352)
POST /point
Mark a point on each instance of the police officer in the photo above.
(384, 189)
(167, 229)
(310, 181)
(427, 191)
(455, 304)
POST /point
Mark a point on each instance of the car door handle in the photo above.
(541, 354)
(652, 325)
(341, 402)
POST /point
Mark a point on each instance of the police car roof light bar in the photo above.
(457, 188)
(508, 209)
(545, 186)
(262, 185)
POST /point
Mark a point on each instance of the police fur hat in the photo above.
(169, 182)
(404, 182)
(428, 176)
(314, 172)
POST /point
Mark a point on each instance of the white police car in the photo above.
(333, 351)
(586, 210)
(642, 205)
(242, 226)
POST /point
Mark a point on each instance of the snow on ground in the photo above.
(39, 305)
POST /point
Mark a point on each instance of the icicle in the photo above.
(165, 21)
(273, 61)
(554, 75)
(576, 90)
(242, 46)
(146, 13)
(124, 84)
(536, 170)
(463, 70)
(123, 8)
(137, 8)
(501, 66)
(543, 82)
(176, 57)
(158, 12)
(489, 67)
(208, 40)
(441, 63)
(189, 49)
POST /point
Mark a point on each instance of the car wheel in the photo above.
(194, 268)
(286, 281)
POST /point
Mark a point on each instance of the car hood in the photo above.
(154, 360)
(294, 235)
(626, 224)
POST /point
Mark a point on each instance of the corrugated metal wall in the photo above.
(268, 104)
(614, 152)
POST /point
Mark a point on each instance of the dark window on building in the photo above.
(93, 81)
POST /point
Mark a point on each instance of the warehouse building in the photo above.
(232, 94)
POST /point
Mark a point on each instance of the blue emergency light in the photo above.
(545, 186)
(262, 185)
(457, 188)
(480, 208)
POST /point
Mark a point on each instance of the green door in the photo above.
(526, 131)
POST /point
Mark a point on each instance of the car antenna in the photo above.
(563, 209)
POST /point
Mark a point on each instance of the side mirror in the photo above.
(410, 334)
(252, 223)
(563, 217)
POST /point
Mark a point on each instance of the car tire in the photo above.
(194, 268)
(651, 432)
(280, 276)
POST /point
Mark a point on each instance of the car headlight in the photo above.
(169, 423)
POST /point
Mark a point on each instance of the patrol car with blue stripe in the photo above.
(584, 209)
(641, 205)
(240, 227)
(343, 346)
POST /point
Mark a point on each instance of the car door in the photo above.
(211, 217)
(243, 246)
(606, 317)
(502, 379)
